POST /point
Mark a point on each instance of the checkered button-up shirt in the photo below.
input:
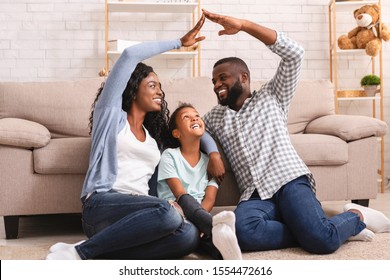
(255, 139)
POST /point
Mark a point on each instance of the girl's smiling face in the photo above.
(188, 124)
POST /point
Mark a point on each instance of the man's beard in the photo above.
(233, 94)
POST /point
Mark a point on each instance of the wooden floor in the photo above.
(50, 229)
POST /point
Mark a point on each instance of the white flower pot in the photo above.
(371, 90)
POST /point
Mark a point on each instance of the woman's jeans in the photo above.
(292, 217)
(122, 226)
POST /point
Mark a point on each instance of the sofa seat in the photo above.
(319, 149)
(63, 156)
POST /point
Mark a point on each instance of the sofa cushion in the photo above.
(197, 91)
(63, 156)
(348, 127)
(23, 133)
(63, 107)
(312, 99)
(317, 149)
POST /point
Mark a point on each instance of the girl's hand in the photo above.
(191, 37)
(209, 198)
(231, 25)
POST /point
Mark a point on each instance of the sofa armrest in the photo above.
(347, 127)
(23, 133)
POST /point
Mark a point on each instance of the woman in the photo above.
(129, 119)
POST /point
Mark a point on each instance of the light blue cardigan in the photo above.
(109, 118)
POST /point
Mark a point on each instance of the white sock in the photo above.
(62, 245)
(64, 254)
(226, 242)
(375, 220)
(226, 217)
(364, 235)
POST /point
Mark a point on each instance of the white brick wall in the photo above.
(46, 40)
(64, 39)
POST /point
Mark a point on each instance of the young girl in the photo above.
(182, 177)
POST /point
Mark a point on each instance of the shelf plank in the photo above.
(358, 98)
(167, 55)
(348, 6)
(354, 51)
(150, 7)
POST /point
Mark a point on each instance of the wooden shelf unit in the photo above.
(335, 53)
(193, 8)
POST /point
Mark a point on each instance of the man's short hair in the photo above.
(236, 61)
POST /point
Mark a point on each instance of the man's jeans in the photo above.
(292, 217)
(122, 226)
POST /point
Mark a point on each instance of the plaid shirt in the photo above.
(255, 139)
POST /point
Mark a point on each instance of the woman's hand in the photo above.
(216, 168)
(191, 37)
(231, 25)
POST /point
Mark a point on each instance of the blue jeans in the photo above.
(292, 217)
(122, 226)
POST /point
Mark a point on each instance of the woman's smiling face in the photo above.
(149, 96)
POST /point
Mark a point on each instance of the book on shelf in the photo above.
(159, 1)
(120, 45)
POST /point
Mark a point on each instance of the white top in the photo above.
(194, 179)
(136, 162)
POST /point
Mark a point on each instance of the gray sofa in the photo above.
(44, 144)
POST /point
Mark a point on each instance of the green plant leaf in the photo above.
(370, 80)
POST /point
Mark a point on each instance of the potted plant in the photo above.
(370, 84)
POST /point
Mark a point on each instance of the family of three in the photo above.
(137, 146)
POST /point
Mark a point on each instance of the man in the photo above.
(278, 207)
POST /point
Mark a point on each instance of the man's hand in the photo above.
(231, 25)
(191, 37)
(216, 168)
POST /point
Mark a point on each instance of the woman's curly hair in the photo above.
(155, 122)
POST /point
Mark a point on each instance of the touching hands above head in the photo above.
(231, 26)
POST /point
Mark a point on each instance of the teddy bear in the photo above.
(367, 34)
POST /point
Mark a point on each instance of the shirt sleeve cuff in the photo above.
(279, 36)
(208, 144)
